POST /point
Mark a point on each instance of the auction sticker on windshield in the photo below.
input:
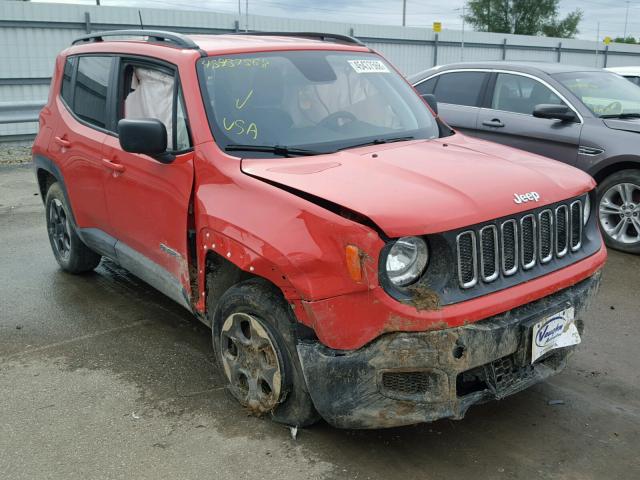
(368, 66)
(555, 331)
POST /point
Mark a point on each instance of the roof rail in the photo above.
(315, 35)
(173, 38)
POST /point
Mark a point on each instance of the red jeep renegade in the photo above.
(356, 259)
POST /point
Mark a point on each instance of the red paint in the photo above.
(348, 322)
(298, 245)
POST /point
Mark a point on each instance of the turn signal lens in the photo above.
(354, 264)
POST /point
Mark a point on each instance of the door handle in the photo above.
(116, 167)
(62, 142)
(495, 122)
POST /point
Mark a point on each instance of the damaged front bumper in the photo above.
(406, 378)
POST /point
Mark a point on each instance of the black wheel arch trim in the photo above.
(40, 162)
(603, 169)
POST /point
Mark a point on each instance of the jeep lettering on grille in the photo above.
(526, 197)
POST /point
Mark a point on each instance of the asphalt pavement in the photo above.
(103, 377)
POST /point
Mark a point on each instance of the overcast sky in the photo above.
(610, 13)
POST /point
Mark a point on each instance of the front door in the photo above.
(509, 119)
(148, 201)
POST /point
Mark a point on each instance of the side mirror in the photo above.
(558, 112)
(147, 136)
(431, 101)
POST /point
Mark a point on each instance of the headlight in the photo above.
(586, 209)
(406, 260)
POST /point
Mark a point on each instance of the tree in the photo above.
(522, 17)
(625, 40)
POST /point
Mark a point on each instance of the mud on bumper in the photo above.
(406, 378)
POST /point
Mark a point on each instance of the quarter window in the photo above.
(518, 94)
(427, 86)
(90, 91)
(460, 88)
(66, 80)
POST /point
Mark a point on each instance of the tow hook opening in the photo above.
(458, 350)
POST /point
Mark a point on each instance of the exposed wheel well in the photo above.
(600, 175)
(45, 179)
(221, 274)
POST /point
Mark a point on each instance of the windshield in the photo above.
(605, 94)
(320, 101)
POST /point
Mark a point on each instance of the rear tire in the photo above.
(70, 253)
(254, 341)
(619, 210)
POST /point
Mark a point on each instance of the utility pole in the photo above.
(626, 18)
(246, 14)
(462, 42)
(597, 43)
(239, 13)
(404, 12)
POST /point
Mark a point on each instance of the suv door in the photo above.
(509, 118)
(77, 145)
(148, 201)
(459, 95)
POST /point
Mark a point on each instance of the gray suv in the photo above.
(587, 117)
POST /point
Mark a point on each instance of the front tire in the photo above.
(70, 253)
(254, 342)
(619, 210)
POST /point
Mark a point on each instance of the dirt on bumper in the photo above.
(407, 378)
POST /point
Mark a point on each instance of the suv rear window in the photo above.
(90, 91)
(460, 88)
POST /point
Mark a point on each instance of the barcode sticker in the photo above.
(368, 66)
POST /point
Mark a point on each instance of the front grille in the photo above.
(406, 383)
(520, 243)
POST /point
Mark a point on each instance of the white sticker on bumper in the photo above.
(555, 331)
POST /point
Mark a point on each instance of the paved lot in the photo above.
(102, 377)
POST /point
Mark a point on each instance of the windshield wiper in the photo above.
(622, 115)
(379, 141)
(276, 149)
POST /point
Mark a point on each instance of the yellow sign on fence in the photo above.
(437, 27)
(607, 40)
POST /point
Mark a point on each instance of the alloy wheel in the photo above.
(59, 229)
(251, 363)
(619, 213)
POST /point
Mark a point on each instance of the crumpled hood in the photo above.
(631, 125)
(427, 186)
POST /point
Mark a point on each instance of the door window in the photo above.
(151, 93)
(90, 90)
(460, 88)
(519, 94)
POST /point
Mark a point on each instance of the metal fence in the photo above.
(32, 34)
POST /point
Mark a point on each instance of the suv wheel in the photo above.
(254, 342)
(619, 210)
(72, 255)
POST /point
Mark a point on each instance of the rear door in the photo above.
(459, 94)
(78, 139)
(148, 201)
(508, 118)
